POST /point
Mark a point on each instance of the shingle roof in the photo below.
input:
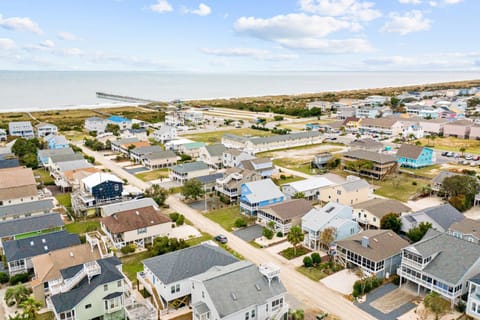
(58, 139)
(210, 178)
(16, 177)
(120, 142)
(380, 207)
(30, 224)
(34, 246)
(238, 286)
(286, 137)
(128, 205)
(147, 150)
(189, 262)
(73, 165)
(467, 226)
(460, 123)
(160, 155)
(57, 158)
(382, 244)
(379, 122)
(68, 300)
(367, 143)
(262, 190)
(215, 150)
(134, 219)
(375, 157)
(319, 218)
(190, 166)
(30, 207)
(409, 151)
(354, 185)
(442, 175)
(294, 208)
(444, 215)
(45, 153)
(455, 256)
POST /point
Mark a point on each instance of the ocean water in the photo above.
(41, 90)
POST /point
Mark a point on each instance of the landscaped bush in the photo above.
(267, 233)
(240, 223)
(361, 287)
(180, 220)
(19, 278)
(316, 259)
(396, 280)
(460, 306)
(279, 234)
(174, 216)
(307, 262)
(4, 277)
(129, 248)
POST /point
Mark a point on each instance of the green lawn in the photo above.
(295, 164)
(289, 179)
(133, 264)
(290, 254)
(429, 172)
(313, 273)
(194, 241)
(153, 175)
(226, 217)
(400, 188)
(45, 316)
(64, 199)
(82, 226)
(35, 233)
(216, 136)
(44, 177)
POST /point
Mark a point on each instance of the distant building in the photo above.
(284, 215)
(192, 149)
(371, 212)
(57, 142)
(122, 122)
(160, 159)
(22, 129)
(320, 160)
(95, 124)
(186, 171)
(3, 135)
(367, 144)
(458, 128)
(412, 156)
(258, 194)
(165, 133)
(433, 126)
(46, 129)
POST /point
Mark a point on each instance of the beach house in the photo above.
(22, 129)
(412, 156)
(45, 129)
(258, 194)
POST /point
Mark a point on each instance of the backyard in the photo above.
(287, 179)
(400, 188)
(226, 217)
(153, 174)
(80, 227)
(295, 164)
(64, 199)
(452, 144)
(216, 136)
(132, 264)
(44, 177)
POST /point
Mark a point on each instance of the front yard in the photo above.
(290, 254)
(43, 177)
(226, 217)
(153, 174)
(320, 271)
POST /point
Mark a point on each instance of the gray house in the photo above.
(26, 209)
(441, 217)
(22, 129)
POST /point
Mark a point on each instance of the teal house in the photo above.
(411, 156)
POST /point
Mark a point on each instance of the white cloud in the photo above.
(20, 24)
(161, 6)
(47, 44)
(410, 1)
(291, 26)
(412, 21)
(249, 52)
(363, 11)
(328, 46)
(433, 3)
(452, 1)
(67, 36)
(7, 44)
(203, 10)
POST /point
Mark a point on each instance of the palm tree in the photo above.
(16, 294)
(462, 150)
(295, 236)
(30, 308)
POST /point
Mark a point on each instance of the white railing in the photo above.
(428, 285)
(412, 263)
(281, 312)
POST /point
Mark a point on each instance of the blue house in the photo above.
(57, 142)
(103, 186)
(412, 156)
(258, 194)
(122, 122)
(332, 215)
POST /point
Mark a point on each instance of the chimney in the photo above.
(365, 241)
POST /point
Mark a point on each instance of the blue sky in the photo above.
(239, 35)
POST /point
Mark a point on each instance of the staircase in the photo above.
(157, 300)
(89, 269)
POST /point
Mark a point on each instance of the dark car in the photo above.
(444, 153)
(221, 238)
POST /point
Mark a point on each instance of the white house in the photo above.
(95, 124)
(46, 129)
(22, 129)
(311, 188)
(233, 157)
(3, 135)
(165, 133)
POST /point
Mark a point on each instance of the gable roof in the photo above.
(68, 300)
(73, 165)
(443, 215)
(16, 177)
(34, 246)
(442, 175)
(309, 184)
(210, 178)
(186, 263)
(100, 177)
(58, 139)
(147, 149)
(45, 153)
(190, 167)
(379, 122)
(318, 218)
(262, 190)
(215, 150)
(355, 184)
(160, 155)
(366, 143)
(110, 209)
(410, 151)
(467, 227)
(238, 286)
(130, 220)
(30, 224)
(26, 208)
(375, 157)
(294, 208)
(382, 244)
(454, 256)
(380, 207)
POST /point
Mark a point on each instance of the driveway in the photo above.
(388, 302)
(249, 233)
(342, 281)
(136, 170)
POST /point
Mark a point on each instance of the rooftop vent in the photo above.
(375, 239)
(72, 254)
(234, 296)
(137, 213)
(46, 248)
(257, 286)
(330, 209)
(365, 242)
(43, 240)
(32, 243)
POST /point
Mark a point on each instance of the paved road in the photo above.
(310, 293)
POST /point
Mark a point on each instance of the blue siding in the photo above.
(347, 230)
(107, 190)
(425, 159)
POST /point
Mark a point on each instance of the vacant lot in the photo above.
(453, 144)
(302, 153)
(226, 217)
(216, 136)
(153, 174)
(400, 188)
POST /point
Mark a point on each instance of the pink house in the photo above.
(458, 128)
(433, 126)
(475, 132)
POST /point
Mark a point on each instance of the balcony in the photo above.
(428, 285)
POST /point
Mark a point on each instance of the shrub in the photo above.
(414, 183)
(180, 220)
(307, 262)
(283, 177)
(240, 223)
(4, 277)
(129, 248)
(460, 306)
(396, 280)
(18, 278)
(364, 286)
(267, 233)
(279, 234)
(174, 216)
(316, 259)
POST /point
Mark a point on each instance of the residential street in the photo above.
(310, 293)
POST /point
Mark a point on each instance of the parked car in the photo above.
(221, 238)
(445, 153)
(468, 157)
(449, 154)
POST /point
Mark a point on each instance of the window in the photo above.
(247, 315)
(203, 295)
(172, 289)
(105, 287)
(253, 313)
(119, 283)
(177, 288)
(88, 306)
(141, 230)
